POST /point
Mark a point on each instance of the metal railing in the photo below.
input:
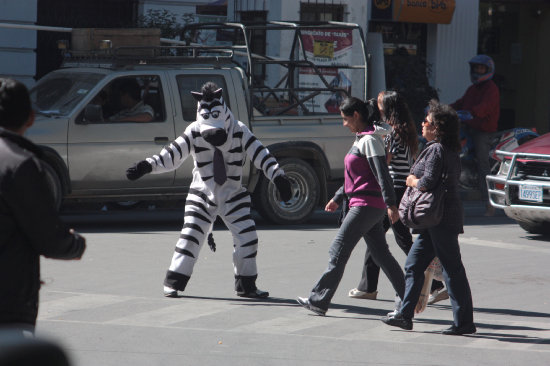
(297, 59)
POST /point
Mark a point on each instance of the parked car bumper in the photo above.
(504, 188)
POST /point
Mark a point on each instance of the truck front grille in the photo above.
(534, 170)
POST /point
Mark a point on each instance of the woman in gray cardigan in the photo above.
(441, 129)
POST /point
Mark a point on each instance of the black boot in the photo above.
(245, 286)
(464, 329)
(397, 320)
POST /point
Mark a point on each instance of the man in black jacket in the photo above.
(29, 223)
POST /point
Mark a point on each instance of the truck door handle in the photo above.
(161, 140)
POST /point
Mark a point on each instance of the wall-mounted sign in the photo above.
(327, 47)
(423, 11)
(382, 10)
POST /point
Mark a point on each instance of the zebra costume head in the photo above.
(213, 116)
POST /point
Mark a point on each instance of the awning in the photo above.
(414, 11)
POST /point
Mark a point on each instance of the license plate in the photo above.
(530, 193)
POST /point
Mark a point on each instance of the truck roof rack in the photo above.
(148, 55)
(297, 94)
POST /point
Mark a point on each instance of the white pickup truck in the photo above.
(87, 148)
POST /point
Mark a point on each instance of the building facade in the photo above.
(424, 47)
(17, 45)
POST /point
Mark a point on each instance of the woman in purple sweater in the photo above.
(369, 188)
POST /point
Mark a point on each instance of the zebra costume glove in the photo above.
(139, 170)
(284, 187)
(211, 242)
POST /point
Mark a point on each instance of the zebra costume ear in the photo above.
(197, 96)
(218, 93)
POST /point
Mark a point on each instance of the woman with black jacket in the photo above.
(440, 157)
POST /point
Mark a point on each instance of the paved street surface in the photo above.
(108, 309)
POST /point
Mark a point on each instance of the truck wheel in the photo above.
(55, 184)
(305, 194)
(535, 228)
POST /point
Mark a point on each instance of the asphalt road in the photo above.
(108, 308)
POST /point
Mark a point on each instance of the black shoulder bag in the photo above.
(422, 210)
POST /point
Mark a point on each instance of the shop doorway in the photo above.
(516, 34)
(405, 63)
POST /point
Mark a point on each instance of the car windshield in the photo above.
(59, 92)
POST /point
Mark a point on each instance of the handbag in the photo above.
(421, 210)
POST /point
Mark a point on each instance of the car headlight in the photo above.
(505, 167)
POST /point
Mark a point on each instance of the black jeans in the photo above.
(359, 222)
(438, 241)
(403, 237)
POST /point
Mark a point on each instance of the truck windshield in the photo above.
(59, 92)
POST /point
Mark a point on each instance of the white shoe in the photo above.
(393, 313)
(358, 294)
(437, 296)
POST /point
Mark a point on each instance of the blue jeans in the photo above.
(403, 238)
(438, 242)
(360, 222)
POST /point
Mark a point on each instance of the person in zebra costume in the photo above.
(219, 145)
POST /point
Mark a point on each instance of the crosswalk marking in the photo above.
(81, 301)
(396, 334)
(282, 325)
(503, 245)
(296, 322)
(173, 314)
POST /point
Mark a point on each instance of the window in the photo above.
(136, 98)
(60, 92)
(188, 83)
(321, 12)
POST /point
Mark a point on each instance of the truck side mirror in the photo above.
(92, 113)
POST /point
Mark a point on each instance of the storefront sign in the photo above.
(423, 11)
(382, 10)
(327, 47)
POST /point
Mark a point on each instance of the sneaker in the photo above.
(398, 320)
(258, 294)
(392, 313)
(358, 294)
(303, 301)
(438, 295)
(170, 292)
(464, 329)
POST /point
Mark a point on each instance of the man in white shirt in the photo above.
(134, 109)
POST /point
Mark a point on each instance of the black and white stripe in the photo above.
(399, 165)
